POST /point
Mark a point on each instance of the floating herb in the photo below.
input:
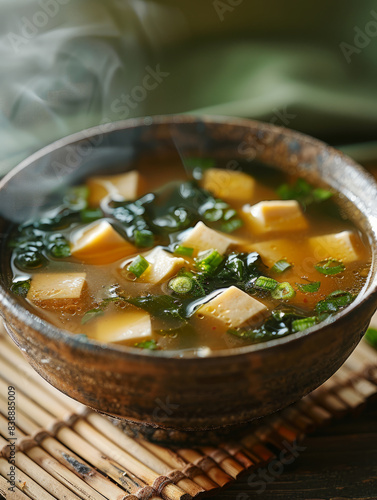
(265, 283)
(312, 287)
(76, 197)
(90, 215)
(184, 251)
(21, 288)
(92, 314)
(202, 163)
(209, 261)
(329, 267)
(283, 291)
(160, 306)
(281, 266)
(303, 192)
(58, 246)
(181, 284)
(334, 302)
(138, 266)
(300, 325)
(151, 345)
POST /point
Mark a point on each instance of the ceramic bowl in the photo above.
(191, 393)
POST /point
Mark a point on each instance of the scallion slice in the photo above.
(280, 266)
(283, 291)
(138, 266)
(231, 225)
(90, 214)
(77, 197)
(320, 194)
(265, 283)
(181, 284)
(60, 250)
(209, 260)
(92, 314)
(299, 325)
(312, 287)
(151, 345)
(330, 267)
(184, 251)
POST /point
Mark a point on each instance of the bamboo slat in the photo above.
(68, 452)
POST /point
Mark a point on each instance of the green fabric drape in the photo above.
(69, 64)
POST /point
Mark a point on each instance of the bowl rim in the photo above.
(7, 302)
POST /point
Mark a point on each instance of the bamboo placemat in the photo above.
(66, 451)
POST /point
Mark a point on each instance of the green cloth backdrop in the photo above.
(69, 64)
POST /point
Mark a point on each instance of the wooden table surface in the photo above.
(339, 462)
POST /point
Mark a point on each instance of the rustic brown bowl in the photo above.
(159, 388)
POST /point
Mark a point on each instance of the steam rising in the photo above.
(64, 64)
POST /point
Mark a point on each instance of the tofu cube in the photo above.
(202, 238)
(274, 250)
(122, 326)
(229, 185)
(345, 246)
(163, 266)
(99, 243)
(129, 185)
(233, 308)
(275, 215)
(58, 290)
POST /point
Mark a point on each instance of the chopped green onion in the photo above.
(90, 214)
(334, 301)
(213, 214)
(138, 266)
(201, 163)
(280, 266)
(92, 314)
(77, 197)
(181, 284)
(231, 225)
(371, 337)
(148, 344)
(265, 283)
(21, 288)
(320, 194)
(228, 214)
(143, 238)
(330, 267)
(312, 287)
(209, 260)
(303, 192)
(299, 325)
(60, 249)
(184, 251)
(283, 291)
(100, 310)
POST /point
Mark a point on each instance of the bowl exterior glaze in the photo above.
(235, 386)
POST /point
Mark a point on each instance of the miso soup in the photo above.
(193, 261)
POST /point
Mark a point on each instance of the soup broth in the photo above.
(191, 260)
